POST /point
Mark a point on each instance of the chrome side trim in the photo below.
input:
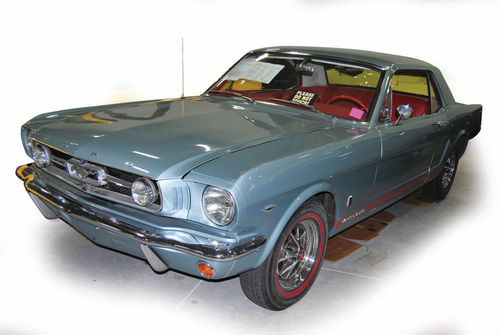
(84, 213)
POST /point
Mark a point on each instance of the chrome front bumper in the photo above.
(54, 204)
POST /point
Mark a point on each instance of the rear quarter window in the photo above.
(353, 77)
(411, 84)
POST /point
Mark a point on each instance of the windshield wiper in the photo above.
(298, 104)
(233, 93)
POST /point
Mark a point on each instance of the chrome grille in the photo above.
(87, 172)
(95, 179)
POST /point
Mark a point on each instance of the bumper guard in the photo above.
(46, 196)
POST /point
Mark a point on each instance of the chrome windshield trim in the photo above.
(76, 210)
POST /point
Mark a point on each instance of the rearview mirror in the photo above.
(304, 69)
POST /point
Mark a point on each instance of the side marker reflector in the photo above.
(206, 270)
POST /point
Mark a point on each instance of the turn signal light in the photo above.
(206, 270)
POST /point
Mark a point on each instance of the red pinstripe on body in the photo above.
(383, 199)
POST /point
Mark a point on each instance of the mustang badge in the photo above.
(86, 172)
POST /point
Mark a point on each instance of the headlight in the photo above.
(41, 155)
(143, 192)
(219, 205)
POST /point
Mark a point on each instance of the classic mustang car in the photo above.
(289, 147)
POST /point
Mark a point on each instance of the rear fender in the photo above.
(460, 143)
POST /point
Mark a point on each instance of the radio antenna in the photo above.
(182, 48)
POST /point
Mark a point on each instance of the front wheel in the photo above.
(437, 189)
(295, 261)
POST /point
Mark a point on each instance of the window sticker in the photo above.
(257, 71)
(357, 113)
(304, 98)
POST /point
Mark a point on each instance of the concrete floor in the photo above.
(54, 280)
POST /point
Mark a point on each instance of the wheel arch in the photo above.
(456, 142)
(460, 143)
(324, 192)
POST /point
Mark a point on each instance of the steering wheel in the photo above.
(349, 99)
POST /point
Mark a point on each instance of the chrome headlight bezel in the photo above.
(143, 192)
(218, 205)
(41, 155)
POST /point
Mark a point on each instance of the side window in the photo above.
(435, 100)
(410, 88)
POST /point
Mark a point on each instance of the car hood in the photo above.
(168, 138)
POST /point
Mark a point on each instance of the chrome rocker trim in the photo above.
(42, 196)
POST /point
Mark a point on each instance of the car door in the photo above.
(408, 145)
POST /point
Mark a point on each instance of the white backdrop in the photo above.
(60, 54)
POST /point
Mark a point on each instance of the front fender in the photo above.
(271, 181)
(290, 209)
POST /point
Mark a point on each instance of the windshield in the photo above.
(339, 89)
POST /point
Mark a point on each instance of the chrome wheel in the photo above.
(298, 254)
(448, 171)
(294, 262)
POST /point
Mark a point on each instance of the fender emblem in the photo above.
(270, 207)
(352, 216)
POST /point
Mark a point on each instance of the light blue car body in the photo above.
(270, 157)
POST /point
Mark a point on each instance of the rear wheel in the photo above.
(437, 189)
(295, 261)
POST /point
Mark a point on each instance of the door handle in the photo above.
(439, 124)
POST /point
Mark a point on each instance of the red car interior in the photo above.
(340, 107)
(340, 100)
(419, 105)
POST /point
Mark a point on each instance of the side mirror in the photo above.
(404, 112)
